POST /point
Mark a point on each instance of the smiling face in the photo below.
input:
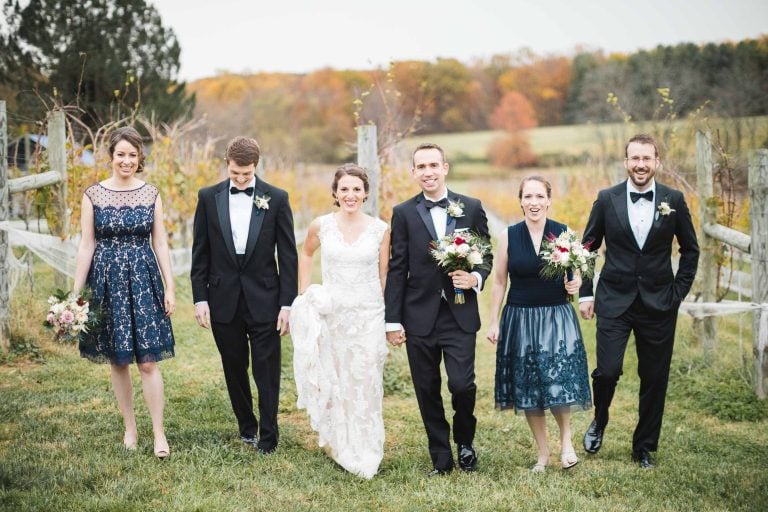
(125, 159)
(350, 193)
(534, 200)
(241, 175)
(429, 172)
(641, 164)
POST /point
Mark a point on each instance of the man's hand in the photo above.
(493, 334)
(203, 315)
(284, 321)
(587, 309)
(463, 280)
(396, 338)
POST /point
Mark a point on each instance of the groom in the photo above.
(419, 299)
(637, 291)
(240, 224)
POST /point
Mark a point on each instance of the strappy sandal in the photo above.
(569, 459)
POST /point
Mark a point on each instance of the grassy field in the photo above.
(60, 440)
(589, 139)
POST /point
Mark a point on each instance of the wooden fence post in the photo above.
(57, 159)
(705, 327)
(758, 212)
(4, 239)
(368, 159)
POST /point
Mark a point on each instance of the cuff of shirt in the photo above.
(287, 308)
(201, 302)
(479, 282)
(393, 327)
(586, 299)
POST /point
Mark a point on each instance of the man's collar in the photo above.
(445, 195)
(251, 184)
(631, 187)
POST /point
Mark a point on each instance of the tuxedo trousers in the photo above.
(240, 341)
(654, 341)
(447, 340)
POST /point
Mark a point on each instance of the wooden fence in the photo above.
(756, 245)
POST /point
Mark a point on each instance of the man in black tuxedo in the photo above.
(419, 299)
(240, 224)
(637, 291)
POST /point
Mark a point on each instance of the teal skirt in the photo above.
(540, 360)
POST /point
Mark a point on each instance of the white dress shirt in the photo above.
(240, 209)
(640, 213)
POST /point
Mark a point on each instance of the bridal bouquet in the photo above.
(69, 316)
(564, 254)
(461, 250)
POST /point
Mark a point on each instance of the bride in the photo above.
(338, 327)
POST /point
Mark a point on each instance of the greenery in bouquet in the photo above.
(69, 316)
(565, 254)
(460, 250)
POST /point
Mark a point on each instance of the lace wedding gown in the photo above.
(340, 348)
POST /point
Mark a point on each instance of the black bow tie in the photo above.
(247, 191)
(648, 196)
(443, 203)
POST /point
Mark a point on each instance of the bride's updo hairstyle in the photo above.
(349, 170)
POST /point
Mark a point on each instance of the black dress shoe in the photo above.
(439, 472)
(467, 457)
(644, 459)
(593, 438)
(266, 450)
(251, 441)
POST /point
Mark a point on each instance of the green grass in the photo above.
(60, 439)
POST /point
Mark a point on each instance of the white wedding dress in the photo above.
(340, 347)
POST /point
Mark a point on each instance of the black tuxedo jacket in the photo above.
(629, 270)
(414, 281)
(216, 275)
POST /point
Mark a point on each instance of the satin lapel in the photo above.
(662, 194)
(451, 222)
(425, 216)
(257, 219)
(222, 208)
(619, 199)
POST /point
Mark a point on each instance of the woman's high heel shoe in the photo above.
(162, 451)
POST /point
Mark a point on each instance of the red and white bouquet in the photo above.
(461, 250)
(69, 316)
(565, 254)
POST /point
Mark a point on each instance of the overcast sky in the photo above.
(303, 35)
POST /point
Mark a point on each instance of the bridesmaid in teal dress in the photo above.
(541, 363)
(123, 251)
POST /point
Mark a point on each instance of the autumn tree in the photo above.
(514, 115)
(110, 58)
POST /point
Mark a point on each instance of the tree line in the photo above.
(108, 60)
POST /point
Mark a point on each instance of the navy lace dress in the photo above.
(540, 359)
(125, 280)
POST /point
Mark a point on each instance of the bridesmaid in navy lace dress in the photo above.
(122, 252)
(540, 359)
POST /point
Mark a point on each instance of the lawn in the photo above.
(60, 440)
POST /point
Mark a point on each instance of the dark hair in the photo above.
(243, 151)
(538, 178)
(426, 145)
(349, 170)
(642, 138)
(132, 137)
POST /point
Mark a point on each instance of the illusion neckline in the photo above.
(341, 233)
(126, 190)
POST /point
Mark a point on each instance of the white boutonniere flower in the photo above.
(261, 202)
(664, 208)
(455, 209)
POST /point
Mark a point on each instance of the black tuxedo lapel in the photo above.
(662, 195)
(257, 219)
(222, 208)
(619, 200)
(452, 222)
(425, 216)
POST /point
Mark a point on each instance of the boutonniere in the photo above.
(664, 209)
(261, 202)
(455, 209)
